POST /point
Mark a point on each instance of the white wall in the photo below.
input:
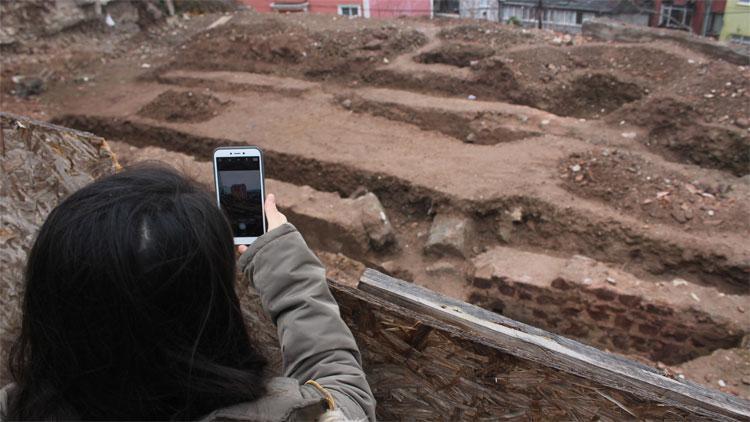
(479, 9)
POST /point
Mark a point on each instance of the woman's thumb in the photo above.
(271, 204)
(274, 217)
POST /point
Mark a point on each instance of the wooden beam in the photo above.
(544, 348)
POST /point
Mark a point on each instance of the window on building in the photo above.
(446, 6)
(673, 16)
(348, 10)
(522, 13)
(715, 24)
(561, 17)
(743, 2)
(553, 18)
(739, 39)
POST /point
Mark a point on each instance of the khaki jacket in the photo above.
(315, 343)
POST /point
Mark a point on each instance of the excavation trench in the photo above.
(542, 227)
(405, 202)
(680, 139)
(585, 96)
(477, 127)
(677, 131)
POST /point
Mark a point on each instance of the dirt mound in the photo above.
(627, 182)
(489, 33)
(647, 63)
(657, 112)
(718, 90)
(346, 54)
(676, 129)
(653, 68)
(593, 95)
(183, 106)
(251, 47)
(460, 55)
(275, 46)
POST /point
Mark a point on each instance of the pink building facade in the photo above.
(395, 8)
(363, 8)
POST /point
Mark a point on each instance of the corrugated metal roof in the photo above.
(598, 6)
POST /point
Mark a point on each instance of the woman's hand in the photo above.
(274, 217)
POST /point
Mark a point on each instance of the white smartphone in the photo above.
(240, 191)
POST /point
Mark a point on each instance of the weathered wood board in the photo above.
(436, 358)
(432, 358)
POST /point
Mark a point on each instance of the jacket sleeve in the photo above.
(315, 342)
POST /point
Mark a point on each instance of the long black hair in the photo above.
(130, 310)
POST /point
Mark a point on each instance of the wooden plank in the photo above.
(554, 351)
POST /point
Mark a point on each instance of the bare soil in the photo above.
(593, 95)
(681, 132)
(629, 183)
(461, 55)
(488, 33)
(281, 46)
(485, 128)
(627, 154)
(183, 106)
(725, 370)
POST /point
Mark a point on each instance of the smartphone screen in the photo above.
(240, 194)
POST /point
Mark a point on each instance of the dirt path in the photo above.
(405, 63)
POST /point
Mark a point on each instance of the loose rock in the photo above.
(516, 215)
(396, 270)
(441, 268)
(504, 232)
(27, 86)
(448, 235)
(376, 223)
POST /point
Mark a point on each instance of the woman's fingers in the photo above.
(274, 217)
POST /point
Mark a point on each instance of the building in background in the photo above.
(704, 17)
(352, 8)
(701, 17)
(736, 22)
(480, 9)
(446, 8)
(395, 8)
(568, 16)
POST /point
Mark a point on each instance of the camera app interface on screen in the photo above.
(240, 195)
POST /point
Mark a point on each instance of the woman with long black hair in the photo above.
(130, 312)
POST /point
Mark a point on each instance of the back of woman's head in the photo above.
(130, 309)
